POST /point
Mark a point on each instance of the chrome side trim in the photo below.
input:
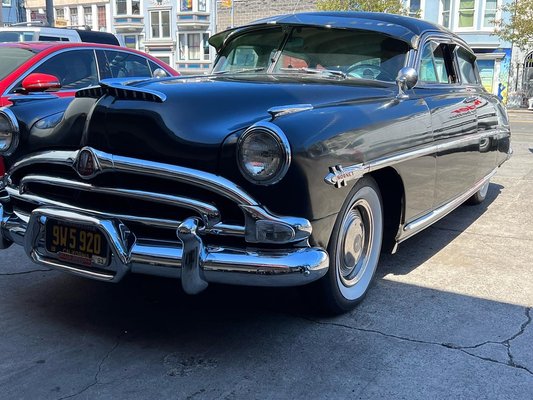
(209, 213)
(339, 176)
(279, 111)
(426, 220)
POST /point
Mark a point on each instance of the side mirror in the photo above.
(159, 73)
(407, 79)
(38, 82)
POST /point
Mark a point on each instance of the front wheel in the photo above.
(480, 196)
(354, 248)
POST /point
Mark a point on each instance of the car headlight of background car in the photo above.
(9, 131)
(263, 153)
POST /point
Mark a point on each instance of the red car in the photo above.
(67, 67)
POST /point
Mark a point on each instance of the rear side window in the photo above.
(467, 66)
(120, 64)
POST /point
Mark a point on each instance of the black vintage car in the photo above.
(317, 141)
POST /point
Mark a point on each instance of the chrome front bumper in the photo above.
(188, 258)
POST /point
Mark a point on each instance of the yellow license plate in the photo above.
(77, 244)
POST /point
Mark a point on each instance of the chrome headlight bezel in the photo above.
(13, 131)
(283, 146)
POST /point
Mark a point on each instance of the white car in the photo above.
(29, 33)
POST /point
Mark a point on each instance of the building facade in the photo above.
(94, 14)
(12, 11)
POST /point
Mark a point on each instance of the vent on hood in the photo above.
(121, 92)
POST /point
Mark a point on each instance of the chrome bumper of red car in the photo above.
(188, 258)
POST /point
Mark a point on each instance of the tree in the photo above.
(388, 6)
(518, 29)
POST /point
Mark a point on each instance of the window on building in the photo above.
(121, 7)
(74, 16)
(193, 46)
(186, 5)
(160, 23)
(130, 41)
(445, 16)
(202, 5)
(205, 43)
(60, 13)
(102, 18)
(88, 15)
(466, 13)
(415, 8)
(136, 7)
(491, 7)
(6, 3)
(165, 59)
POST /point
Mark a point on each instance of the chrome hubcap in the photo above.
(356, 243)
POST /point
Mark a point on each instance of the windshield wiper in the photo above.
(239, 71)
(315, 71)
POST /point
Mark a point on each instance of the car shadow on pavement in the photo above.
(424, 245)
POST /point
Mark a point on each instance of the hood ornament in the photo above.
(87, 165)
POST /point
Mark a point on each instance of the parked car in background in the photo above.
(32, 33)
(318, 141)
(66, 67)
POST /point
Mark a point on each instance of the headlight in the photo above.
(263, 154)
(9, 131)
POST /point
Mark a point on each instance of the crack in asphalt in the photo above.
(507, 342)
(24, 272)
(95, 379)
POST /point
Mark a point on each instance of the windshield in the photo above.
(12, 58)
(339, 52)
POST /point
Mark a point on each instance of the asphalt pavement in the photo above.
(449, 317)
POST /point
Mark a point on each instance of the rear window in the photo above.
(12, 58)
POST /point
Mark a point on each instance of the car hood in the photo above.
(199, 113)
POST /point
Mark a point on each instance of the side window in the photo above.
(43, 38)
(120, 64)
(467, 69)
(75, 69)
(436, 64)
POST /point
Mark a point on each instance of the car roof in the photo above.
(40, 46)
(401, 27)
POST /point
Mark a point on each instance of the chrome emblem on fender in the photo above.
(339, 176)
(86, 164)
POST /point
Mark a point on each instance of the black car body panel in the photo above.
(289, 163)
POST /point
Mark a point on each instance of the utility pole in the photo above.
(50, 12)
